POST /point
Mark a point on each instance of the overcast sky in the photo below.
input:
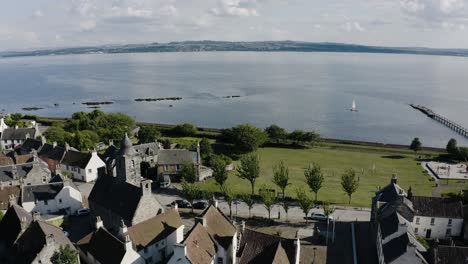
(28, 24)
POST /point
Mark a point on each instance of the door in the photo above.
(428, 233)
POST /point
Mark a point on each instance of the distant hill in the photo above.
(259, 46)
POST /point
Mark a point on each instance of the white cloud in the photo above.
(240, 8)
(352, 26)
(38, 13)
(449, 6)
(87, 25)
(412, 6)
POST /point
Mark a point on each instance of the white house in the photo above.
(100, 247)
(51, 198)
(14, 136)
(437, 217)
(82, 166)
(3, 126)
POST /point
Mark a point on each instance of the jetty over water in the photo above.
(443, 120)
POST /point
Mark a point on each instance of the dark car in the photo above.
(200, 205)
(182, 204)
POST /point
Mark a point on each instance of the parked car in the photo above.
(182, 204)
(320, 217)
(200, 205)
(165, 183)
(82, 211)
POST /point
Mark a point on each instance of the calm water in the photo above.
(310, 91)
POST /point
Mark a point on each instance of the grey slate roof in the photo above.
(395, 248)
(18, 134)
(29, 145)
(52, 153)
(150, 149)
(176, 156)
(42, 192)
(450, 255)
(76, 159)
(103, 246)
(6, 172)
(437, 207)
(10, 226)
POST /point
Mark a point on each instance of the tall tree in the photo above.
(148, 134)
(247, 138)
(85, 140)
(463, 153)
(188, 172)
(297, 136)
(190, 192)
(349, 183)
(249, 169)
(57, 134)
(276, 133)
(416, 145)
(205, 148)
(249, 201)
(220, 173)
(305, 202)
(281, 177)
(314, 178)
(185, 130)
(228, 196)
(268, 199)
(452, 147)
(65, 255)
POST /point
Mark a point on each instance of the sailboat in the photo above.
(353, 106)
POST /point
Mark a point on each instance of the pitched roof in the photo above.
(10, 226)
(154, 229)
(52, 153)
(6, 172)
(103, 246)
(121, 198)
(126, 147)
(450, 255)
(31, 144)
(42, 192)
(201, 249)
(21, 159)
(18, 133)
(395, 248)
(33, 240)
(110, 153)
(219, 226)
(5, 193)
(5, 160)
(256, 247)
(147, 149)
(437, 207)
(76, 159)
(176, 156)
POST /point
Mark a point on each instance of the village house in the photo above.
(100, 247)
(3, 126)
(82, 166)
(212, 240)
(52, 198)
(31, 145)
(10, 138)
(52, 154)
(15, 221)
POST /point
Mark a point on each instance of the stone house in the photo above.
(15, 221)
(52, 198)
(101, 246)
(82, 166)
(10, 138)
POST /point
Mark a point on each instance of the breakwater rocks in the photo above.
(32, 108)
(158, 99)
(97, 103)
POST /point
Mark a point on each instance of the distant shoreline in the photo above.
(326, 140)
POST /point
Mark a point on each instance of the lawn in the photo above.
(334, 162)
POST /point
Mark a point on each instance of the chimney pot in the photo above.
(99, 223)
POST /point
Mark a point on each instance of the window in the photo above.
(417, 220)
(145, 250)
(45, 202)
(90, 170)
(416, 230)
(60, 200)
(165, 167)
(220, 260)
(432, 221)
(178, 167)
(133, 164)
(448, 232)
(450, 222)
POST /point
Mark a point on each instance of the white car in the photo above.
(320, 217)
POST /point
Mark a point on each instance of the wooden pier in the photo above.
(443, 120)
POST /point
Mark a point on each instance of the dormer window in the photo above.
(133, 164)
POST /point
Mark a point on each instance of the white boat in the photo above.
(353, 106)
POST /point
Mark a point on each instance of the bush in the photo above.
(185, 130)
(247, 138)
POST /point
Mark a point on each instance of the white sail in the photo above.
(353, 107)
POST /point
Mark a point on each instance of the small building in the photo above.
(13, 137)
(170, 161)
(101, 247)
(198, 247)
(31, 145)
(436, 217)
(52, 198)
(52, 154)
(81, 166)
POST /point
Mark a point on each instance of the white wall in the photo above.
(438, 229)
(165, 245)
(67, 198)
(90, 173)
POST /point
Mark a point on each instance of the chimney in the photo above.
(67, 147)
(243, 226)
(99, 223)
(176, 206)
(201, 220)
(180, 251)
(36, 216)
(145, 186)
(43, 140)
(394, 179)
(54, 145)
(49, 240)
(12, 199)
(94, 153)
(111, 142)
(34, 154)
(122, 230)
(16, 126)
(215, 203)
(24, 223)
(28, 135)
(128, 243)
(14, 172)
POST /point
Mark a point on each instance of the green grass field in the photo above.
(334, 162)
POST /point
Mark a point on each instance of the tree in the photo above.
(85, 140)
(305, 202)
(185, 130)
(228, 196)
(190, 192)
(281, 177)
(416, 145)
(297, 136)
(249, 169)
(188, 172)
(65, 255)
(148, 134)
(220, 173)
(268, 199)
(247, 138)
(205, 148)
(463, 153)
(285, 206)
(57, 134)
(114, 125)
(248, 200)
(310, 137)
(276, 133)
(349, 183)
(452, 147)
(315, 178)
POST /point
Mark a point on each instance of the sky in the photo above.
(29, 24)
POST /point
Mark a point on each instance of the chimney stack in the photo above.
(43, 140)
(34, 154)
(111, 142)
(49, 240)
(67, 147)
(24, 224)
(28, 135)
(99, 223)
(36, 216)
(12, 198)
(243, 226)
(54, 145)
(410, 194)
(122, 229)
(215, 203)
(14, 172)
(128, 243)
(394, 179)
(145, 186)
